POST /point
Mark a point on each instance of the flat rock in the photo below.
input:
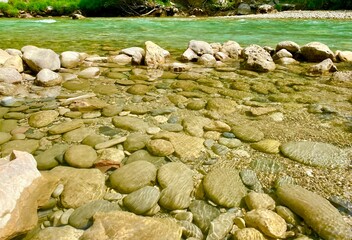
(40, 58)
(268, 222)
(232, 190)
(5, 137)
(142, 200)
(133, 176)
(64, 232)
(80, 185)
(267, 146)
(66, 126)
(80, 156)
(77, 135)
(91, 72)
(82, 217)
(187, 148)
(317, 212)
(130, 123)
(42, 118)
(315, 154)
(28, 145)
(290, 46)
(131, 227)
(221, 226)
(194, 125)
(247, 133)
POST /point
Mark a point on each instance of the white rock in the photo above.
(344, 56)
(91, 72)
(48, 78)
(70, 59)
(14, 62)
(10, 75)
(200, 47)
(189, 55)
(155, 55)
(3, 57)
(40, 58)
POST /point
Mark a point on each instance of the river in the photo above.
(98, 35)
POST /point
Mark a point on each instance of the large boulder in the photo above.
(70, 59)
(41, 58)
(48, 78)
(155, 55)
(20, 182)
(290, 46)
(325, 66)
(14, 62)
(200, 47)
(232, 49)
(316, 52)
(10, 75)
(257, 59)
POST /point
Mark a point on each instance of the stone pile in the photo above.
(170, 150)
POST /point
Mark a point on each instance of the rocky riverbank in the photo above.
(302, 15)
(222, 142)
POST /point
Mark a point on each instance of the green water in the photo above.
(100, 34)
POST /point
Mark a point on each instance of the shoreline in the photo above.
(301, 14)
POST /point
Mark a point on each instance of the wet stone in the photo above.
(142, 200)
(48, 159)
(248, 234)
(267, 146)
(203, 214)
(259, 201)
(66, 127)
(315, 154)
(82, 217)
(133, 176)
(230, 142)
(8, 125)
(143, 155)
(77, 135)
(94, 139)
(248, 133)
(130, 123)
(160, 147)
(232, 190)
(268, 222)
(135, 141)
(80, 156)
(317, 212)
(4, 137)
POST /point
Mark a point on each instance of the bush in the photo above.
(8, 10)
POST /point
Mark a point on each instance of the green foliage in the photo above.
(8, 10)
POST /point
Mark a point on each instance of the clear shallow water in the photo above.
(96, 35)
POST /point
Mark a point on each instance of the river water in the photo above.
(96, 35)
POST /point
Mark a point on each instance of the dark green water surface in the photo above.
(96, 35)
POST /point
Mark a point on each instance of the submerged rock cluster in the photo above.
(226, 143)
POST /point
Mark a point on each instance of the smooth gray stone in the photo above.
(315, 154)
(142, 200)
